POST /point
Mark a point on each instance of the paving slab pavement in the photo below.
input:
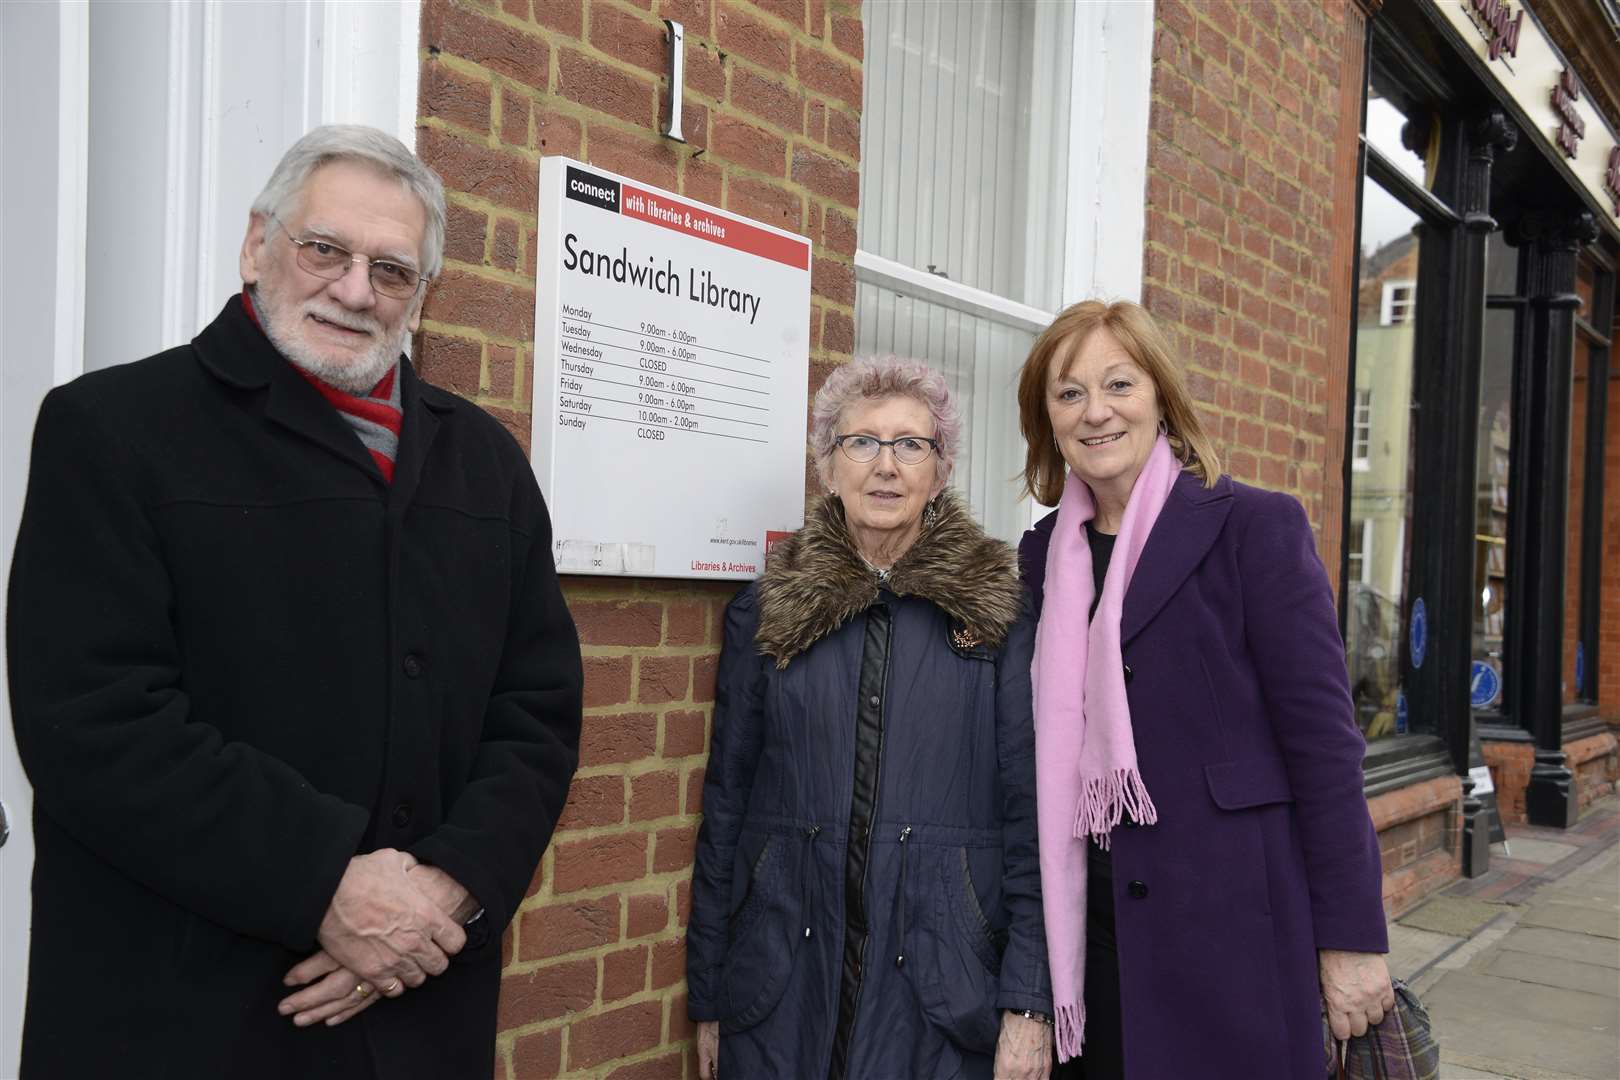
(1545, 852)
(1520, 968)
(1557, 944)
(1554, 971)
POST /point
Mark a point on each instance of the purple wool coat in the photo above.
(1264, 851)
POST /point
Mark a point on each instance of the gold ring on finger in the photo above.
(361, 989)
(393, 984)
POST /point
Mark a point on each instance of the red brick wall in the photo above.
(1419, 838)
(593, 978)
(1510, 764)
(1243, 155)
(1595, 761)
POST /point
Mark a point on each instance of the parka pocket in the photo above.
(763, 936)
(956, 985)
(742, 916)
(986, 942)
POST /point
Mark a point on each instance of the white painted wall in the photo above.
(191, 105)
(42, 62)
(1108, 144)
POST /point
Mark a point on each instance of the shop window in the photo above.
(1588, 432)
(1492, 471)
(1361, 431)
(964, 181)
(1380, 490)
(1574, 660)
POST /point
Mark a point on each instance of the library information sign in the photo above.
(671, 344)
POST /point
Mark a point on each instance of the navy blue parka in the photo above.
(866, 891)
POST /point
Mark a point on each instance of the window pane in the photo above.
(1381, 459)
(1585, 281)
(964, 142)
(1388, 131)
(980, 361)
(1491, 584)
(1574, 658)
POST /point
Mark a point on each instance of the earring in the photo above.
(930, 513)
(1164, 428)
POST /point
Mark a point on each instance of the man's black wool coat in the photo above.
(239, 658)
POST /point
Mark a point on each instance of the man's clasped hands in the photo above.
(392, 922)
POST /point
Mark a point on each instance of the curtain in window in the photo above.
(964, 158)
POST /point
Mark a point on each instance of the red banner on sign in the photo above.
(683, 217)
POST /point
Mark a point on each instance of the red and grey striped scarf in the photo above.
(376, 418)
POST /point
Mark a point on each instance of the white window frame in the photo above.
(1361, 430)
(1106, 222)
(1397, 312)
(1358, 561)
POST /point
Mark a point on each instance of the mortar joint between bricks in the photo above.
(493, 275)
(463, 66)
(489, 140)
(633, 652)
(493, 209)
(456, 330)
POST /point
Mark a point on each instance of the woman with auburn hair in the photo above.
(1210, 874)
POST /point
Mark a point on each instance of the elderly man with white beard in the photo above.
(290, 671)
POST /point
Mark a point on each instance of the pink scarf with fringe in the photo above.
(1085, 757)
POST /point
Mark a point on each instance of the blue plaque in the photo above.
(1580, 667)
(1484, 684)
(1420, 632)
(1400, 712)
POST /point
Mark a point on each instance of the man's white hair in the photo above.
(368, 145)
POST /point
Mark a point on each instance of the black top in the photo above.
(1102, 549)
(1100, 867)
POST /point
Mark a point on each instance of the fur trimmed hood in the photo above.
(815, 580)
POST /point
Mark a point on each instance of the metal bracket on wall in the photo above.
(677, 78)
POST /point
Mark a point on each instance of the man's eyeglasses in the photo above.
(908, 449)
(327, 260)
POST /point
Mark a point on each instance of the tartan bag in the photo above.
(1401, 1047)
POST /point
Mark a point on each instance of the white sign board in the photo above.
(672, 346)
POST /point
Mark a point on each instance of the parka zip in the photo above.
(900, 901)
(852, 981)
(866, 872)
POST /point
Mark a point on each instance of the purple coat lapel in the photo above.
(1187, 528)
